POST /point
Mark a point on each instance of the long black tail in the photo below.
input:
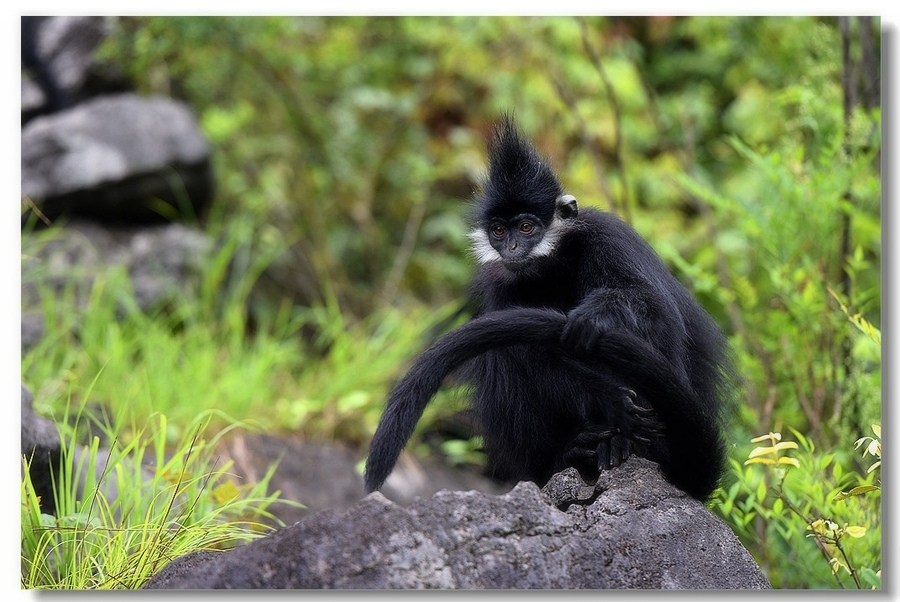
(623, 352)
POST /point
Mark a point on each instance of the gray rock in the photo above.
(65, 46)
(120, 157)
(322, 475)
(160, 261)
(638, 532)
(41, 446)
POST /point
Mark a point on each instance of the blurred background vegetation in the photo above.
(746, 150)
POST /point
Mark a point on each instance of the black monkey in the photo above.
(585, 348)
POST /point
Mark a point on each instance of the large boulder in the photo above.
(117, 158)
(632, 530)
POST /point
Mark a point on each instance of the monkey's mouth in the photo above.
(516, 265)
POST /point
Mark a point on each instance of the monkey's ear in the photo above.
(566, 206)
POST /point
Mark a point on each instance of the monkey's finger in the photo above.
(629, 403)
(643, 411)
(655, 427)
(649, 428)
(579, 453)
(640, 439)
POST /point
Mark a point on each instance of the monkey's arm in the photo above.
(651, 360)
(636, 308)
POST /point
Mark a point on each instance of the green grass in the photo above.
(197, 353)
(125, 511)
(160, 389)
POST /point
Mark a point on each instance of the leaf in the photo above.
(837, 564)
(778, 506)
(224, 493)
(863, 489)
(769, 437)
(855, 531)
(773, 450)
(760, 451)
(874, 448)
(785, 445)
(871, 578)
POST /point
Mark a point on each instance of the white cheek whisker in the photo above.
(548, 243)
(481, 247)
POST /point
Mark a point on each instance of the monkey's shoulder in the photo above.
(596, 222)
(596, 232)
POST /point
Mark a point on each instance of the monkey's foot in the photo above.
(601, 447)
(604, 447)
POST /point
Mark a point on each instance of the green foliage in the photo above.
(807, 531)
(123, 512)
(175, 361)
(790, 257)
(342, 394)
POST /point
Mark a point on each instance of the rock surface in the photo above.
(322, 475)
(119, 157)
(41, 446)
(59, 56)
(161, 262)
(634, 531)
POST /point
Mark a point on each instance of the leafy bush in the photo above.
(809, 522)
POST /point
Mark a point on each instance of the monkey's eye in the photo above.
(498, 231)
(526, 227)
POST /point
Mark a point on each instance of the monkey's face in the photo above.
(517, 241)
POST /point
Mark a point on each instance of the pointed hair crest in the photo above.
(519, 179)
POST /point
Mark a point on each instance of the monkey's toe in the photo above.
(612, 452)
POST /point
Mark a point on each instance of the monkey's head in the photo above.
(521, 210)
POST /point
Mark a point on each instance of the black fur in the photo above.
(582, 357)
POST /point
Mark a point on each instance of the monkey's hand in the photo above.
(587, 324)
(581, 331)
